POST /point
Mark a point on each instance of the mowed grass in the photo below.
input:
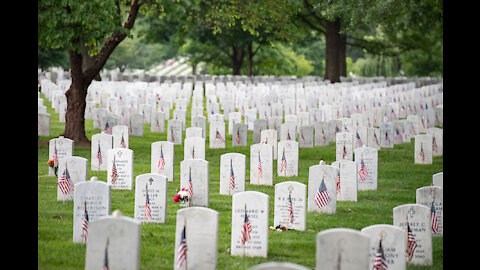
(398, 178)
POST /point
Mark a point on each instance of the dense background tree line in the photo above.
(330, 38)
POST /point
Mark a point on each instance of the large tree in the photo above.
(93, 27)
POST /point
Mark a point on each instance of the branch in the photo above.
(321, 30)
(112, 42)
(256, 50)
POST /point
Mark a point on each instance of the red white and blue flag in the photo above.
(182, 249)
(321, 197)
(246, 228)
(433, 218)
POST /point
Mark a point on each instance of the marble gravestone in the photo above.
(199, 227)
(432, 197)
(201, 122)
(287, 161)
(101, 144)
(261, 164)
(258, 126)
(193, 132)
(278, 266)
(250, 116)
(115, 241)
(423, 149)
(322, 135)
(348, 180)
(120, 168)
(155, 208)
(322, 181)
(61, 147)
(386, 135)
(43, 124)
(196, 171)
(233, 118)
(157, 122)
(393, 245)
(250, 209)
(92, 199)
(120, 136)
(239, 134)
(367, 157)
(217, 135)
(232, 173)
(71, 171)
(418, 218)
(437, 141)
(194, 148)
(175, 131)
(437, 179)
(107, 123)
(136, 124)
(290, 205)
(162, 159)
(288, 131)
(269, 136)
(342, 248)
(373, 138)
(344, 146)
(305, 137)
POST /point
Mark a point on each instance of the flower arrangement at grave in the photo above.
(182, 197)
(279, 228)
(50, 163)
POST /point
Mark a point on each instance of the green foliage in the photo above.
(49, 58)
(61, 24)
(375, 65)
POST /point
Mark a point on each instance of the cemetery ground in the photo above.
(398, 178)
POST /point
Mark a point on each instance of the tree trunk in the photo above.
(237, 59)
(342, 55)
(76, 94)
(88, 61)
(250, 59)
(333, 47)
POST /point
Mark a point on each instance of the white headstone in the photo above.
(437, 179)
(71, 170)
(287, 161)
(199, 227)
(254, 205)
(261, 164)
(62, 147)
(393, 245)
(322, 189)
(290, 205)
(232, 173)
(432, 197)
(423, 149)
(366, 159)
(194, 148)
(101, 144)
(113, 240)
(175, 131)
(196, 171)
(155, 208)
(120, 136)
(344, 146)
(120, 168)
(217, 135)
(418, 217)
(342, 248)
(95, 195)
(269, 136)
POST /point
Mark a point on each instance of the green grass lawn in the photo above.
(398, 178)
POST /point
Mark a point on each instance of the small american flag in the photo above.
(362, 172)
(148, 210)
(288, 135)
(283, 165)
(122, 142)
(65, 182)
(323, 136)
(237, 136)
(358, 140)
(387, 139)
(190, 184)
(85, 223)
(114, 172)
(161, 161)
(434, 145)
(290, 208)
(422, 154)
(99, 155)
(411, 243)
(338, 179)
(246, 228)
(380, 263)
(232, 177)
(385, 117)
(344, 152)
(107, 128)
(105, 258)
(375, 139)
(172, 137)
(321, 197)
(193, 152)
(219, 136)
(433, 218)
(259, 167)
(398, 137)
(303, 139)
(55, 157)
(393, 115)
(182, 249)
